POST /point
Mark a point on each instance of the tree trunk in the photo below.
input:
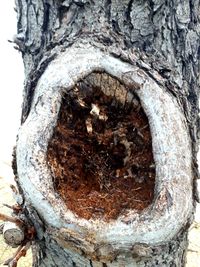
(141, 58)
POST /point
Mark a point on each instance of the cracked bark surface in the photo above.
(161, 38)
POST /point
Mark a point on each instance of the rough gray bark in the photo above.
(161, 38)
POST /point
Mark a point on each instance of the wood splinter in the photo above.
(20, 252)
(4, 217)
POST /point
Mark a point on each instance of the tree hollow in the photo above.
(170, 144)
(101, 154)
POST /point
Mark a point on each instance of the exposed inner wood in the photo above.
(100, 154)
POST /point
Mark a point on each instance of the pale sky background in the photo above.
(11, 79)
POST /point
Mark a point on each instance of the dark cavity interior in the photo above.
(100, 154)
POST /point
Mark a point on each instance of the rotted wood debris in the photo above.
(101, 152)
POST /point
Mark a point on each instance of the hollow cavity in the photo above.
(100, 153)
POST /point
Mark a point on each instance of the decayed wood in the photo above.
(152, 47)
(165, 120)
(106, 154)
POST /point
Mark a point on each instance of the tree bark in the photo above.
(152, 48)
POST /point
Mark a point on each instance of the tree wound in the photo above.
(100, 154)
